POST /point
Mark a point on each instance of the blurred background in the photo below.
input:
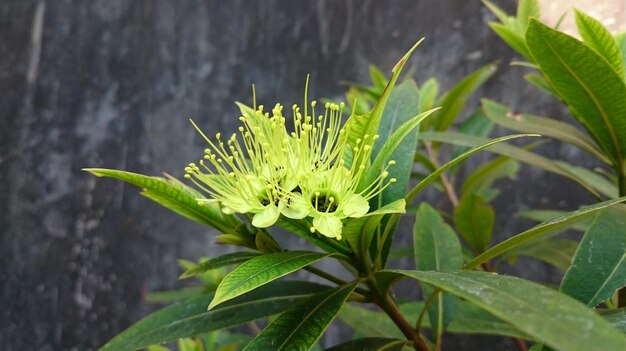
(112, 83)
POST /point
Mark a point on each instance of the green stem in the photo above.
(621, 180)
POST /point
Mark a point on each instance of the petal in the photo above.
(294, 207)
(328, 225)
(235, 205)
(355, 206)
(266, 218)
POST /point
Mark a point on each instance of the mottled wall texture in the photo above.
(112, 83)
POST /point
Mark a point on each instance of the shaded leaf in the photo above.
(525, 123)
(540, 230)
(191, 317)
(544, 314)
(370, 344)
(474, 219)
(174, 195)
(557, 252)
(599, 265)
(436, 247)
(481, 179)
(300, 327)
(454, 100)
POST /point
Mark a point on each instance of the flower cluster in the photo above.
(309, 173)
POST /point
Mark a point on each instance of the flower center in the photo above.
(324, 201)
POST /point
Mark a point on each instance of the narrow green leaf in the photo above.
(172, 194)
(543, 313)
(436, 247)
(474, 219)
(361, 125)
(398, 141)
(600, 39)
(428, 95)
(596, 180)
(467, 319)
(515, 40)
(540, 230)
(218, 262)
(370, 344)
(378, 78)
(454, 100)
(481, 179)
(620, 39)
(588, 84)
(599, 265)
(360, 231)
(434, 175)
(557, 252)
(300, 327)
(190, 318)
(540, 82)
(510, 151)
(616, 317)
(527, 9)
(525, 123)
(497, 11)
(169, 296)
(547, 215)
(477, 124)
(261, 270)
(303, 229)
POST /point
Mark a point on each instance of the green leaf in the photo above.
(527, 9)
(590, 87)
(370, 344)
(434, 175)
(191, 318)
(500, 14)
(544, 314)
(261, 270)
(436, 247)
(596, 180)
(620, 39)
(600, 39)
(360, 125)
(557, 252)
(300, 327)
(428, 95)
(540, 82)
(525, 123)
(515, 40)
(547, 215)
(454, 100)
(616, 317)
(540, 230)
(174, 195)
(474, 218)
(169, 296)
(378, 78)
(599, 265)
(467, 319)
(360, 231)
(398, 131)
(302, 228)
(477, 124)
(218, 262)
(514, 152)
(481, 179)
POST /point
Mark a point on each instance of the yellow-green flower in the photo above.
(308, 172)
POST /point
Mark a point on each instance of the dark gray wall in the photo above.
(112, 83)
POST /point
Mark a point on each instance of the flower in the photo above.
(308, 172)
